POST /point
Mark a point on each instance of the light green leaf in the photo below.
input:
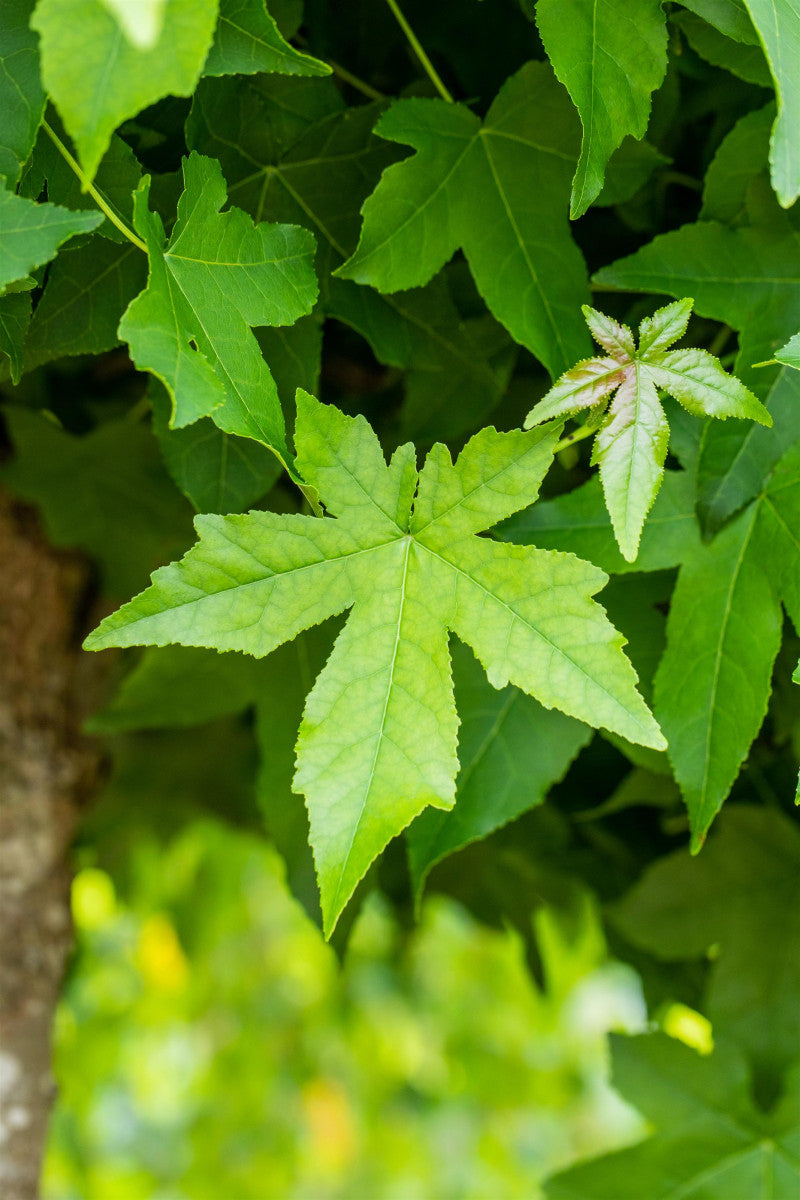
(742, 896)
(97, 78)
(22, 97)
(382, 709)
(578, 523)
(105, 493)
(631, 448)
(31, 233)
(710, 1142)
(247, 41)
(141, 22)
(790, 353)
(777, 23)
(511, 751)
(468, 186)
(750, 279)
(218, 275)
(610, 61)
(632, 439)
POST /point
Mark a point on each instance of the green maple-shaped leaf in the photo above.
(710, 1142)
(777, 23)
(378, 738)
(610, 60)
(217, 277)
(31, 233)
(633, 435)
(470, 185)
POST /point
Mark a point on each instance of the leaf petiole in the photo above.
(416, 46)
(577, 435)
(97, 196)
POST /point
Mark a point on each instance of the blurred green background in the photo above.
(211, 1046)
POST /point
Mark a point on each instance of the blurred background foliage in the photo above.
(209, 1044)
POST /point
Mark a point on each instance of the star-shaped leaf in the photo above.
(378, 738)
(469, 186)
(218, 276)
(710, 1142)
(633, 436)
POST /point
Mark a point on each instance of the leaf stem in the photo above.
(97, 196)
(577, 435)
(360, 85)
(416, 46)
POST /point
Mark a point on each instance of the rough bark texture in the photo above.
(47, 769)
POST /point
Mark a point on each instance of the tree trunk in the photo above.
(47, 769)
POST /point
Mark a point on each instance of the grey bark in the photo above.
(47, 770)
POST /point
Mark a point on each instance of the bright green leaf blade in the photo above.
(610, 62)
(31, 233)
(778, 541)
(468, 185)
(685, 904)
(511, 752)
(22, 97)
(578, 523)
(612, 335)
(381, 712)
(105, 493)
(219, 275)
(697, 381)
(247, 41)
(98, 78)
(713, 684)
(666, 326)
(777, 23)
(790, 353)
(709, 1141)
(494, 475)
(630, 449)
(377, 742)
(251, 583)
(141, 22)
(529, 618)
(582, 386)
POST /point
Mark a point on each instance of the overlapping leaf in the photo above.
(632, 438)
(247, 40)
(22, 97)
(777, 23)
(31, 233)
(216, 277)
(724, 631)
(469, 186)
(610, 60)
(382, 709)
(710, 1142)
(98, 78)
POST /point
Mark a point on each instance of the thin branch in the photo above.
(416, 46)
(97, 196)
